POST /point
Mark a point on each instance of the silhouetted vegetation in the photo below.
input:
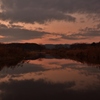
(15, 53)
(88, 53)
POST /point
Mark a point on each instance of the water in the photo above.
(50, 79)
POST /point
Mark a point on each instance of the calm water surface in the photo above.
(50, 79)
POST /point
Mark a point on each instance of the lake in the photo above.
(50, 79)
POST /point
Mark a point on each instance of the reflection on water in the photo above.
(51, 79)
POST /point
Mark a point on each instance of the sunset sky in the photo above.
(50, 21)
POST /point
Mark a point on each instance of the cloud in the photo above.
(16, 33)
(98, 26)
(2, 26)
(83, 34)
(41, 11)
(30, 11)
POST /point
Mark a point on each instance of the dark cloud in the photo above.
(31, 11)
(16, 33)
(45, 10)
(74, 36)
(85, 33)
(54, 39)
(89, 32)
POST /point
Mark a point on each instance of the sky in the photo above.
(49, 21)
